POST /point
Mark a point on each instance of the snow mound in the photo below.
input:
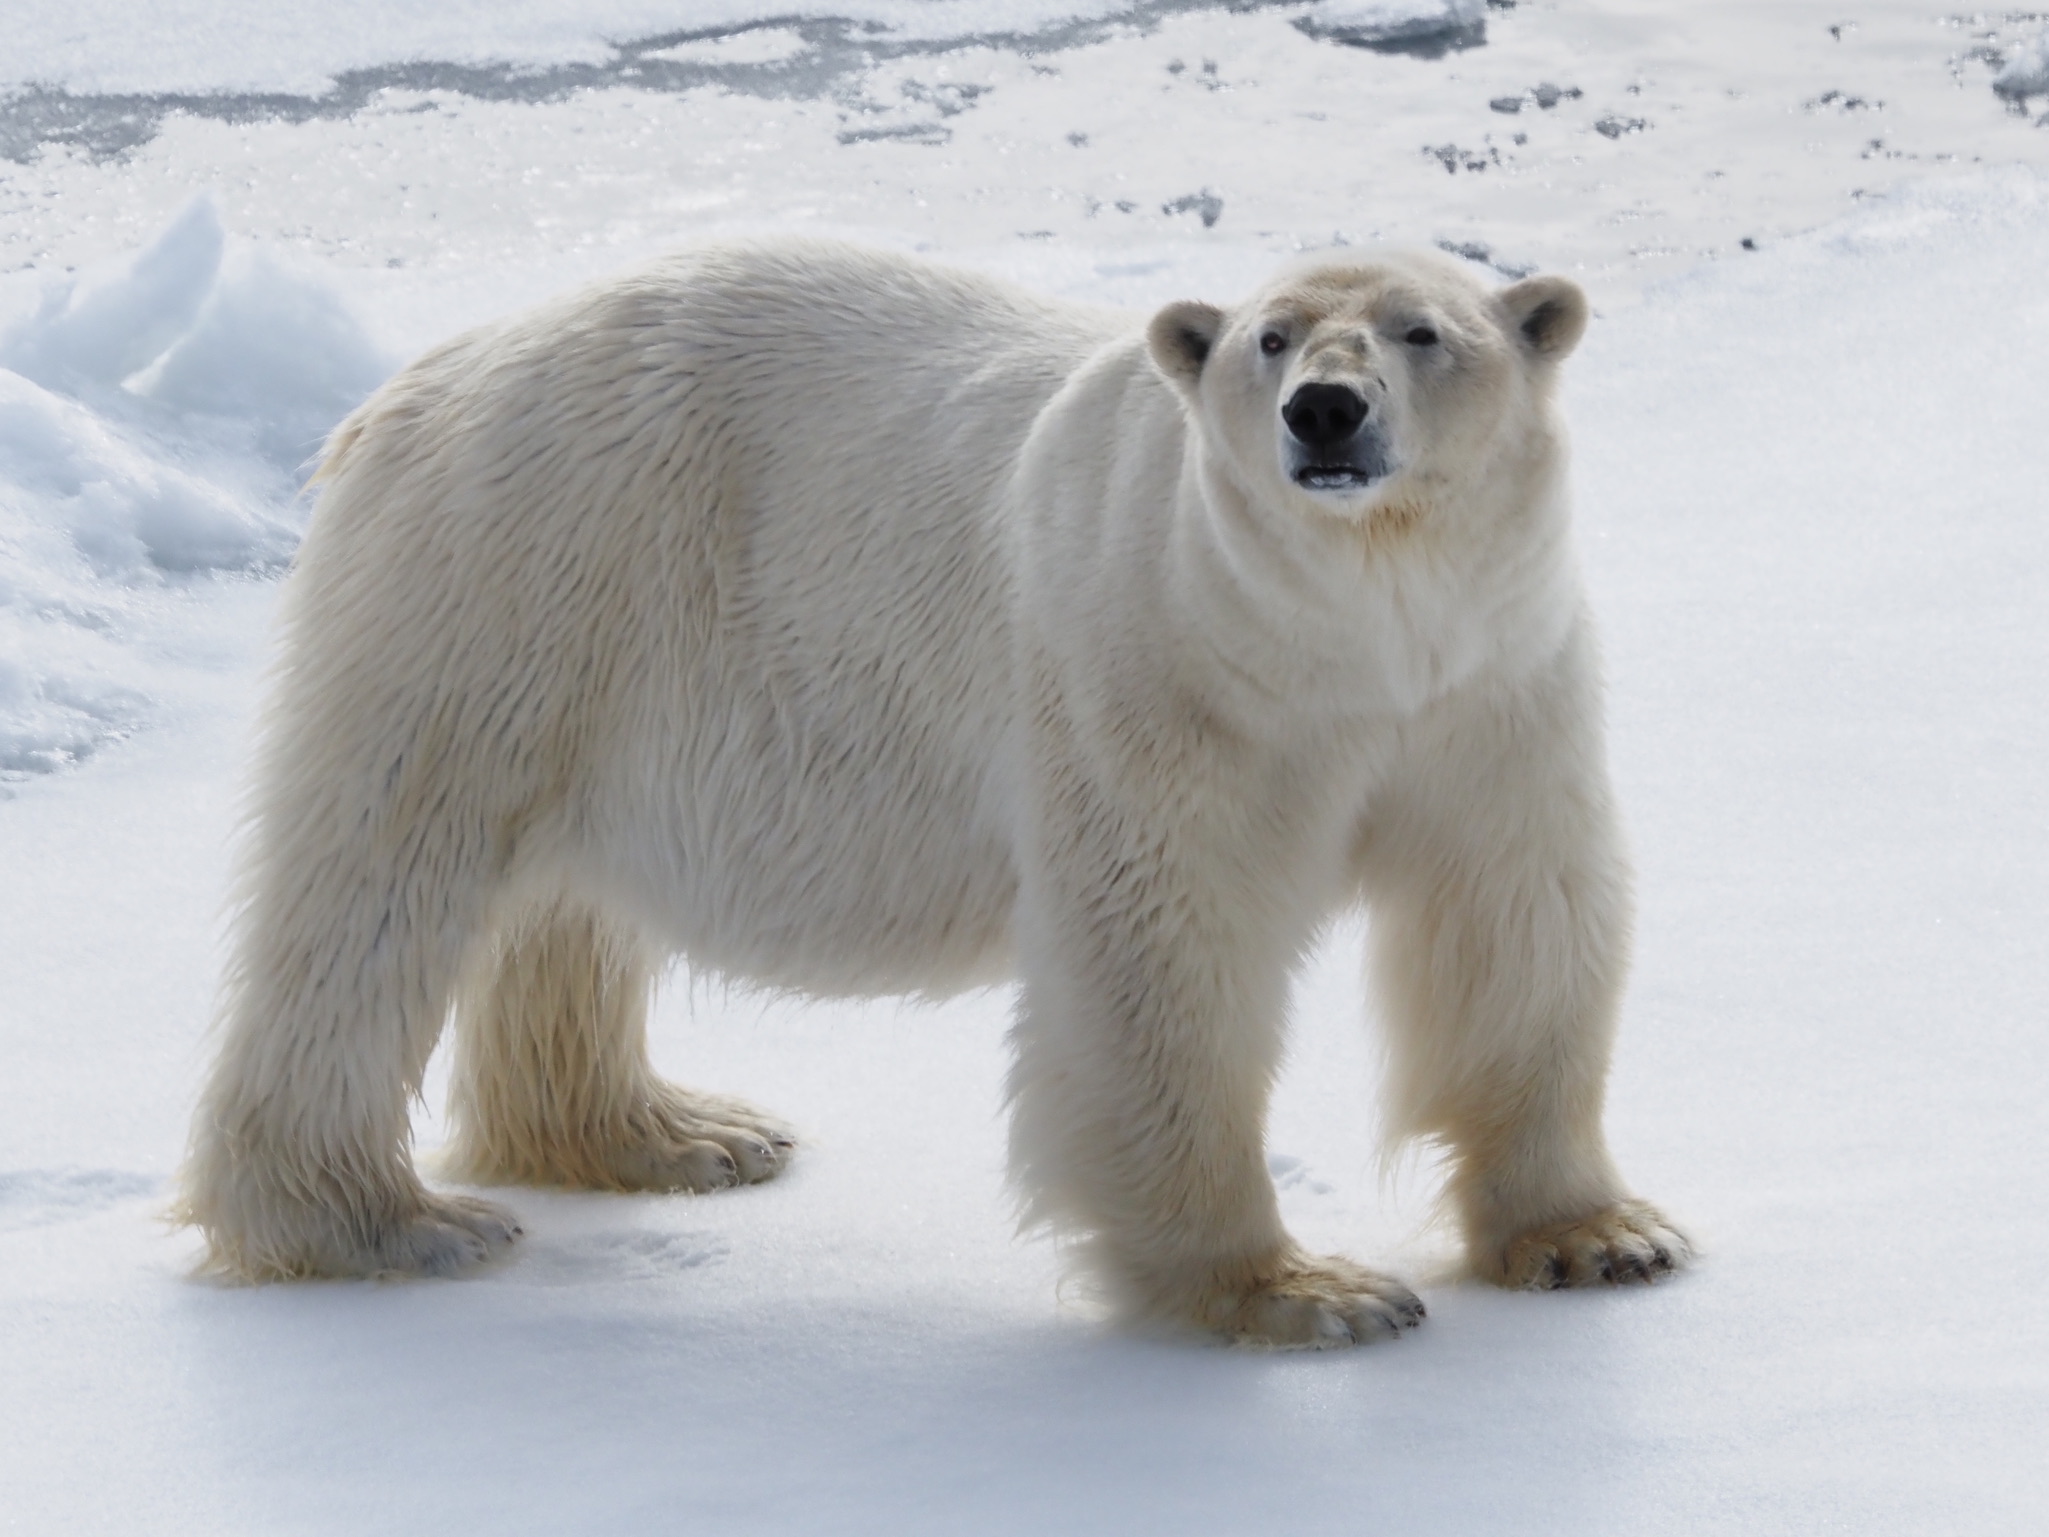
(226, 348)
(104, 326)
(2026, 73)
(130, 515)
(87, 518)
(155, 417)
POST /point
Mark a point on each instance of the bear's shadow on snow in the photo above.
(886, 1406)
(828, 56)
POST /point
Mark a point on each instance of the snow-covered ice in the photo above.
(1811, 504)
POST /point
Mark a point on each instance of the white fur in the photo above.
(853, 625)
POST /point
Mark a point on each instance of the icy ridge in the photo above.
(156, 417)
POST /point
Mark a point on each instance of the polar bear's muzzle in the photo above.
(1333, 443)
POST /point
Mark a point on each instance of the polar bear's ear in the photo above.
(1547, 314)
(1181, 337)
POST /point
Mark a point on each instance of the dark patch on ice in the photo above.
(832, 53)
(1614, 127)
(1479, 251)
(1994, 44)
(1421, 37)
(106, 127)
(915, 117)
(1455, 158)
(1545, 95)
(38, 1197)
(1207, 77)
(1205, 203)
(906, 133)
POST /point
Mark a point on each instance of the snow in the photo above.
(1810, 507)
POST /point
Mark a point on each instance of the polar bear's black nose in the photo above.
(1322, 415)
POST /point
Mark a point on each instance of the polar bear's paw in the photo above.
(1629, 1242)
(414, 1233)
(449, 1234)
(1322, 1302)
(653, 1136)
(696, 1142)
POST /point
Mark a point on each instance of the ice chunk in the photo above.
(2026, 71)
(102, 328)
(273, 358)
(1428, 27)
(273, 350)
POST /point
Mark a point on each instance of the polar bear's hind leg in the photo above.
(300, 1162)
(552, 1084)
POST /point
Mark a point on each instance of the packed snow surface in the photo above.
(1810, 482)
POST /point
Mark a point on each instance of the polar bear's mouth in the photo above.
(1336, 477)
(1350, 466)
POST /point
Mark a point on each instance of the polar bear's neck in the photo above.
(1376, 617)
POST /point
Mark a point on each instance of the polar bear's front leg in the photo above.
(1147, 1037)
(1500, 934)
(1145, 1048)
(552, 1084)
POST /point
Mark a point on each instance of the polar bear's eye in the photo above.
(1421, 336)
(1272, 343)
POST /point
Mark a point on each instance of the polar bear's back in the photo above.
(714, 551)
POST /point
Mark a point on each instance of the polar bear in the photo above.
(849, 624)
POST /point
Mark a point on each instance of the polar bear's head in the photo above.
(1362, 383)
